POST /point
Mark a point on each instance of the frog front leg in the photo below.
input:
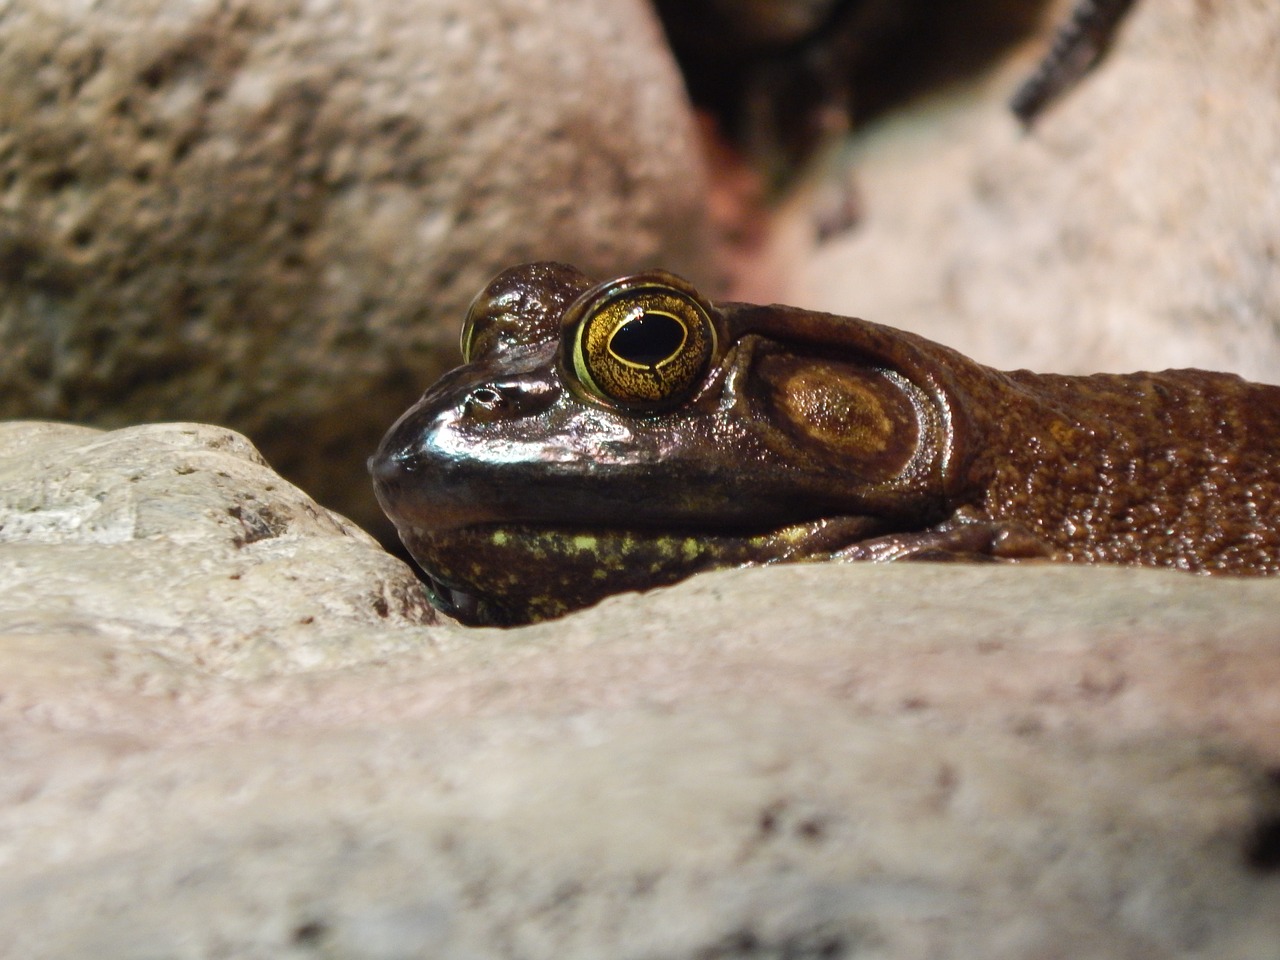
(965, 536)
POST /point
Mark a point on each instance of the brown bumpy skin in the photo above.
(1177, 469)
(527, 484)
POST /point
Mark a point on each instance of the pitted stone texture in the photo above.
(272, 214)
(761, 830)
(228, 727)
(177, 540)
(1136, 226)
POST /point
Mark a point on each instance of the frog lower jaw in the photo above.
(510, 574)
(459, 604)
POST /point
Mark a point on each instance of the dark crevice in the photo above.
(310, 933)
(1262, 850)
(746, 944)
(786, 95)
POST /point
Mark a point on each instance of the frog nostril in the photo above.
(484, 403)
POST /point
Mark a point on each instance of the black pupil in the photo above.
(648, 339)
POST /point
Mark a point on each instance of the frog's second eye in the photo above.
(519, 308)
(641, 343)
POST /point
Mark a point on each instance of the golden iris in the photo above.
(642, 345)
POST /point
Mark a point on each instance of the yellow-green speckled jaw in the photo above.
(481, 574)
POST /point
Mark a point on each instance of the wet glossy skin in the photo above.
(625, 435)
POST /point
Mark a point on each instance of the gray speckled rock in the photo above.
(272, 214)
(1137, 226)
(178, 540)
(820, 761)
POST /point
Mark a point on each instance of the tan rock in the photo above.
(902, 761)
(1137, 226)
(272, 214)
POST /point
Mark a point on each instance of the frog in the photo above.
(624, 435)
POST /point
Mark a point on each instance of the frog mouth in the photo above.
(504, 574)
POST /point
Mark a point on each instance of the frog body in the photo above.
(625, 435)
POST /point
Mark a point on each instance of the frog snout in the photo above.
(387, 470)
(391, 472)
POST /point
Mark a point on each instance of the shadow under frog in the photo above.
(625, 435)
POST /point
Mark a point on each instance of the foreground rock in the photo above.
(1136, 226)
(272, 214)
(179, 540)
(231, 729)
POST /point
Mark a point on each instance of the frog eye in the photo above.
(641, 343)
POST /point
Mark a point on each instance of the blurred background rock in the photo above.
(271, 214)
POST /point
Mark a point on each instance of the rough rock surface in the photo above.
(231, 729)
(271, 214)
(180, 536)
(1136, 226)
